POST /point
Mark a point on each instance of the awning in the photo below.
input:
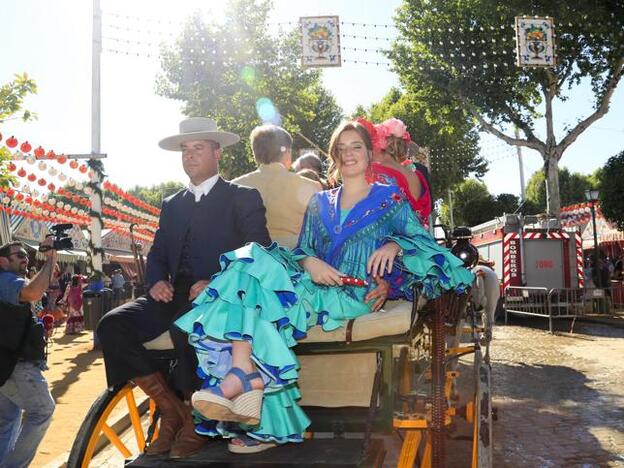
(126, 262)
(65, 256)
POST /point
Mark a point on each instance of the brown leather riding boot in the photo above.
(188, 441)
(171, 408)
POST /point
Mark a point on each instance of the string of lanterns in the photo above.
(20, 204)
(149, 218)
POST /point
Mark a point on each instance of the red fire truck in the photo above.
(529, 252)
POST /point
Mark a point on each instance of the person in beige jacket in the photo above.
(284, 193)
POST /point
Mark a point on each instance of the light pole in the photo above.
(592, 197)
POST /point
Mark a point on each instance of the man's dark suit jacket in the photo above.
(227, 218)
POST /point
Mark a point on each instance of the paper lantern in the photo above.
(83, 169)
(39, 152)
(11, 142)
(42, 182)
(11, 167)
(73, 164)
(21, 172)
(25, 147)
(42, 166)
(30, 160)
(51, 155)
(62, 159)
(32, 177)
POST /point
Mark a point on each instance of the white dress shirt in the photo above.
(204, 188)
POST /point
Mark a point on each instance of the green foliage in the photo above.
(247, 64)
(155, 194)
(612, 190)
(12, 96)
(463, 53)
(477, 57)
(572, 188)
(450, 136)
(473, 204)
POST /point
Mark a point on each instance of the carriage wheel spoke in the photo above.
(133, 411)
(115, 440)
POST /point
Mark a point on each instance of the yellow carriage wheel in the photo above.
(112, 413)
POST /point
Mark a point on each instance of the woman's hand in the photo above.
(380, 293)
(321, 272)
(381, 260)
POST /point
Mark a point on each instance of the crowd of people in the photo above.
(239, 272)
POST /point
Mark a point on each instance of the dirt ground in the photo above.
(76, 377)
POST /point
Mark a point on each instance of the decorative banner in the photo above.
(320, 41)
(535, 42)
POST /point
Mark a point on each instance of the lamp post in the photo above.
(592, 197)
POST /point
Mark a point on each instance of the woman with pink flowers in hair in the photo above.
(391, 165)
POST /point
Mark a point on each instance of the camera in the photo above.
(62, 241)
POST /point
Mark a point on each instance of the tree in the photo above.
(155, 194)
(12, 96)
(465, 51)
(572, 188)
(472, 204)
(239, 75)
(612, 190)
(507, 203)
(450, 136)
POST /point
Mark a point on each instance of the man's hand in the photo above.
(321, 272)
(380, 293)
(51, 253)
(381, 260)
(162, 291)
(197, 289)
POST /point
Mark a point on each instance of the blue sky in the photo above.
(51, 41)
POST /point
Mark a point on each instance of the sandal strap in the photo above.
(247, 441)
(244, 378)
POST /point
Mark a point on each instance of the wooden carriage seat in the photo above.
(393, 319)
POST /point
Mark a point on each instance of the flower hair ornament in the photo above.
(391, 127)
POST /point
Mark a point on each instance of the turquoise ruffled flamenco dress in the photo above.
(262, 295)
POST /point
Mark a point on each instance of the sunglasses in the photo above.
(20, 255)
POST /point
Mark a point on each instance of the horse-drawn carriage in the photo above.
(392, 372)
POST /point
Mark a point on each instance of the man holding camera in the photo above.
(26, 405)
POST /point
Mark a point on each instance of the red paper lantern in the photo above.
(83, 168)
(61, 159)
(21, 172)
(42, 182)
(51, 187)
(29, 200)
(51, 155)
(25, 147)
(19, 197)
(39, 152)
(73, 164)
(11, 167)
(11, 142)
(10, 192)
(32, 177)
(37, 203)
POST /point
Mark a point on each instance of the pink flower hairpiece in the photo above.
(391, 127)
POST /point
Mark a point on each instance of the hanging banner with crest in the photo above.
(320, 41)
(535, 42)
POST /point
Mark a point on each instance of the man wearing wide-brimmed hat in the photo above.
(197, 224)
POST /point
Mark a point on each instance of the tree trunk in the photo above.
(551, 172)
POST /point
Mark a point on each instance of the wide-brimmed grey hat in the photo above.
(198, 128)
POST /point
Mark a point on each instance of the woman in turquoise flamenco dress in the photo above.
(246, 322)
